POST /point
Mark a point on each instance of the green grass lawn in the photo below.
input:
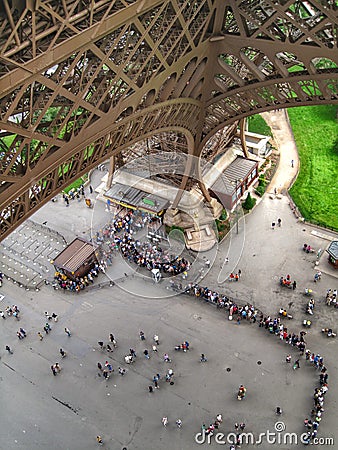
(315, 191)
(256, 124)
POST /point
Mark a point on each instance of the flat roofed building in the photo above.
(131, 197)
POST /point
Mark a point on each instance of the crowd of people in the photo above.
(286, 282)
(126, 221)
(75, 193)
(11, 311)
(331, 298)
(150, 256)
(78, 284)
(118, 224)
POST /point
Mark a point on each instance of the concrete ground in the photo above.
(69, 410)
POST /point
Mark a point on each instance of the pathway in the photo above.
(279, 123)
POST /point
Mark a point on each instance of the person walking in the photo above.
(113, 340)
(142, 336)
(108, 366)
(156, 339)
(279, 221)
(101, 345)
(40, 336)
(165, 421)
(62, 353)
(203, 358)
(20, 336)
(296, 365)
(9, 350)
(146, 354)
(150, 388)
(179, 423)
(67, 331)
(23, 332)
(52, 368)
(55, 317)
(99, 438)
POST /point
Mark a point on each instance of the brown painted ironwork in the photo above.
(84, 80)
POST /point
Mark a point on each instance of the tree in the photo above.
(249, 202)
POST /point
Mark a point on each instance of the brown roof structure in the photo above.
(75, 255)
(333, 250)
(237, 170)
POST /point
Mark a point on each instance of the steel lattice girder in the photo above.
(82, 80)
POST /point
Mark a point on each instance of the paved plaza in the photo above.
(67, 411)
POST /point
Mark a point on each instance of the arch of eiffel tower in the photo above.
(84, 81)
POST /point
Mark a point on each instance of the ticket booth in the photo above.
(77, 259)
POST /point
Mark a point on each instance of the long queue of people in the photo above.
(247, 312)
(275, 327)
(298, 341)
(150, 256)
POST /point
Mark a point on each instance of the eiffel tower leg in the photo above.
(204, 190)
(111, 171)
(242, 125)
(187, 173)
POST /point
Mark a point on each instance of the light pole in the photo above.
(236, 187)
